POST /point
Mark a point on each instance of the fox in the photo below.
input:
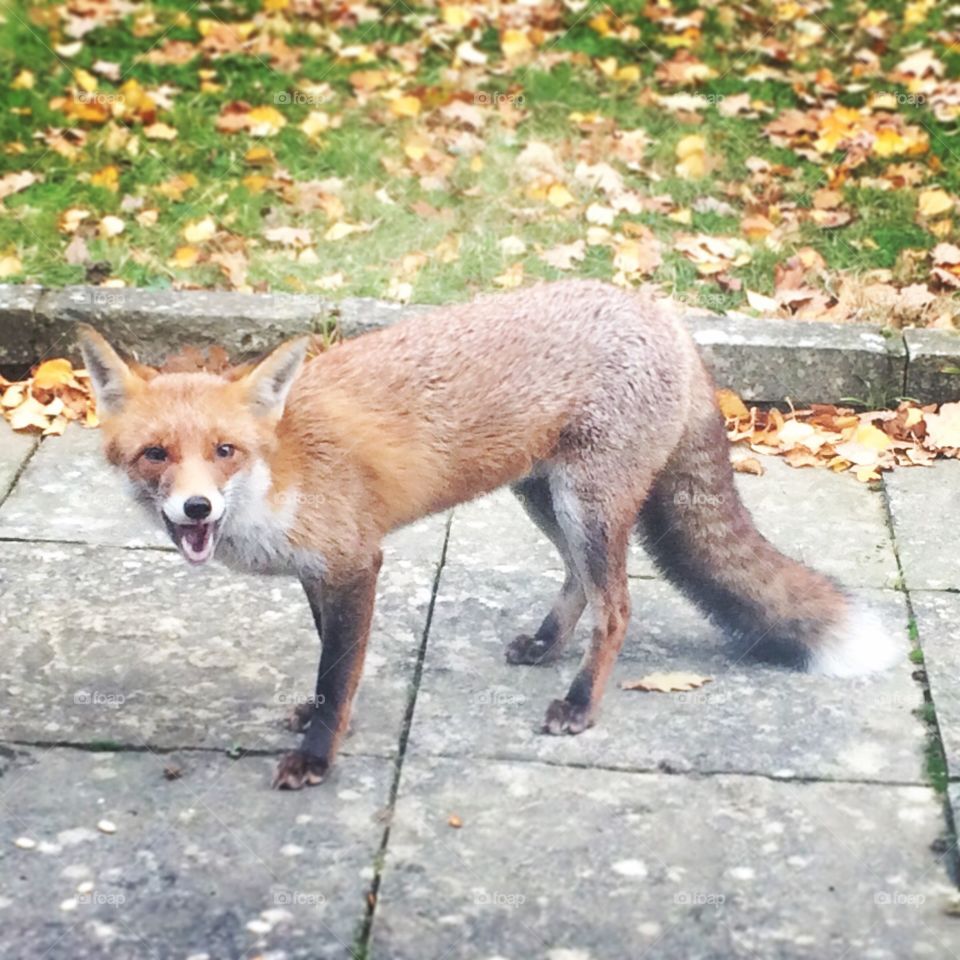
(590, 401)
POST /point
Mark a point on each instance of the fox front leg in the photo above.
(345, 608)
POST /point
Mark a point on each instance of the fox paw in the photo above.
(298, 719)
(298, 769)
(565, 717)
(530, 650)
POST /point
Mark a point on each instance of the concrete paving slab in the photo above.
(213, 864)
(135, 647)
(938, 627)
(750, 718)
(571, 864)
(925, 507)
(827, 520)
(15, 448)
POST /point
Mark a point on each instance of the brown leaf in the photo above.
(666, 682)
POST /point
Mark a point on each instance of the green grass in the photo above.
(481, 204)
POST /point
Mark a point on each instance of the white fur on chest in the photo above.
(255, 534)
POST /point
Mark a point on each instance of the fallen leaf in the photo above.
(666, 682)
(200, 231)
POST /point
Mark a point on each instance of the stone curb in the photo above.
(763, 360)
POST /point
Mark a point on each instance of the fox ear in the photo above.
(111, 377)
(267, 385)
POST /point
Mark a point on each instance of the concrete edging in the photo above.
(763, 360)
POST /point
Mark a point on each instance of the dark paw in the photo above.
(529, 650)
(565, 717)
(298, 719)
(298, 769)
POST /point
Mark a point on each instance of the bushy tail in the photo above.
(702, 538)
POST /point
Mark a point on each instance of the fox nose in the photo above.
(197, 508)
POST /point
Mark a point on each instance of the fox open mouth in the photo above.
(195, 540)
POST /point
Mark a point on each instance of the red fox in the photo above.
(591, 402)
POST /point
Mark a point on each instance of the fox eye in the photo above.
(225, 450)
(155, 454)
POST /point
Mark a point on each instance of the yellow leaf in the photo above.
(889, 142)
(637, 256)
(275, 6)
(691, 153)
(871, 437)
(265, 121)
(601, 24)
(630, 74)
(405, 107)
(694, 143)
(107, 177)
(53, 373)
(199, 230)
(415, 147)
(731, 406)
(514, 43)
(315, 123)
(455, 15)
(186, 256)
(343, 229)
(931, 203)
(559, 196)
(259, 157)
(160, 131)
(255, 182)
(10, 266)
(86, 81)
(177, 186)
(24, 80)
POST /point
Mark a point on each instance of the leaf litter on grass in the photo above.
(792, 159)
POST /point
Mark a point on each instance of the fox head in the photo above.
(193, 445)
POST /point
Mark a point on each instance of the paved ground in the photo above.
(769, 814)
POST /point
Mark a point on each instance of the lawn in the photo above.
(794, 158)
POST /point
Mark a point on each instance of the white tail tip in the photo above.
(858, 644)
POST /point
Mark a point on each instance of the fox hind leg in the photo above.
(598, 534)
(558, 625)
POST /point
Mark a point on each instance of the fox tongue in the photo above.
(196, 540)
